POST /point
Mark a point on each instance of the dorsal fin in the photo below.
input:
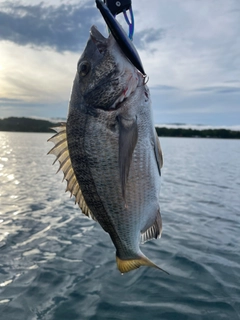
(60, 150)
(154, 231)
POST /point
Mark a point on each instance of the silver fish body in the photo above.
(109, 151)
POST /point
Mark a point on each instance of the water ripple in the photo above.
(57, 264)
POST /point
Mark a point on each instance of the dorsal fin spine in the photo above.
(60, 150)
(63, 164)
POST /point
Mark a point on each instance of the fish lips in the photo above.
(121, 37)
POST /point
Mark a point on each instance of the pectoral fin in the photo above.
(128, 135)
(158, 152)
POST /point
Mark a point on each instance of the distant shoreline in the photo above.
(15, 124)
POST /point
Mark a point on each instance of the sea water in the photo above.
(57, 264)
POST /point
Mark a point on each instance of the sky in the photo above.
(189, 49)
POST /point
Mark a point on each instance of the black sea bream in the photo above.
(109, 151)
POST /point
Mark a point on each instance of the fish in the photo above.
(109, 151)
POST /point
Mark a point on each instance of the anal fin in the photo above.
(153, 232)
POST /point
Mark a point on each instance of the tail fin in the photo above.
(132, 264)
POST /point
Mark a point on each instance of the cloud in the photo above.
(189, 49)
(9, 101)
(164, 88)
(36, 75)
(25, 109)
(218, 89)
(143, 38)
(65, 27)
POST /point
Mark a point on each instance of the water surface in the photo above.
(57, 264)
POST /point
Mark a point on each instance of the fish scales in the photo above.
(113, 150)
(108, 186)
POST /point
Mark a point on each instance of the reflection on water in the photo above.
(57, 264)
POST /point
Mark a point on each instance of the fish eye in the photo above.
(84, 68)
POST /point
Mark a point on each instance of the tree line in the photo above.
(36, 125)
(194, 133)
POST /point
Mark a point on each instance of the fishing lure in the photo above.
(117, 31)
